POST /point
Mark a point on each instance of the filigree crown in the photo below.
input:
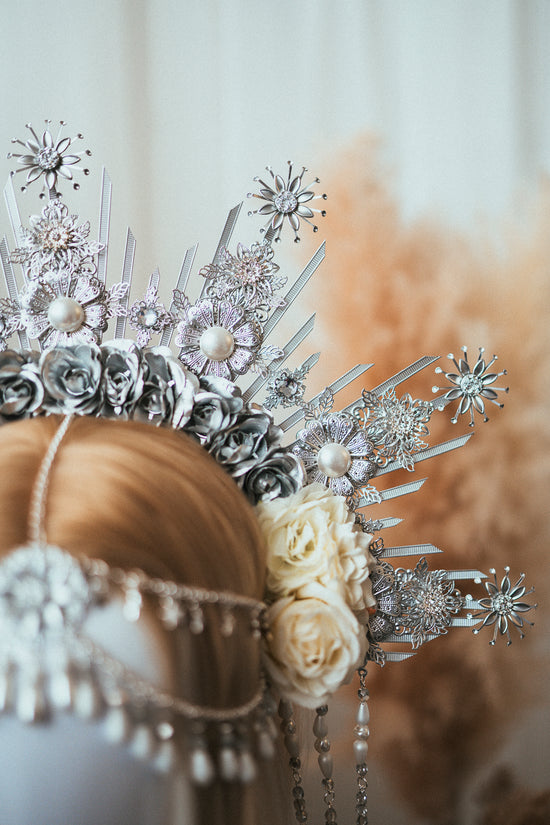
(60, 301)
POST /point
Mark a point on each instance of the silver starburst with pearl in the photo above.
(336, 452)
(65, 309)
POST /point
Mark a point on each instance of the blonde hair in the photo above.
(139, 496)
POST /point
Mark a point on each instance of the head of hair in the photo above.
(137, 496)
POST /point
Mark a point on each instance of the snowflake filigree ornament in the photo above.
(248, 278)
(502, 606)
(429, 600)
(67, 309)
(386, 618)
(336, 452)
(10, 320)
(471, 386)
(56, 241)
(286, 200)
(149, 315)
(396, 426)
(47, 156)
(286, 388)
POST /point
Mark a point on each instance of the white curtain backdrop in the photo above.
(185, 101)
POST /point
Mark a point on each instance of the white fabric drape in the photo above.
(185, 101)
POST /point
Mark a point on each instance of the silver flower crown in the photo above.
(337, 579)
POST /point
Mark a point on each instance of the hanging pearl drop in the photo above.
(201, 766)
(143, 742)
(65, 314)
(334, 460)
(116, 725)
(247, 769)
(86, 699)
(217, 343)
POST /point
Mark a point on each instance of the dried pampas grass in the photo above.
(394, 291)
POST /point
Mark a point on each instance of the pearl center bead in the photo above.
(334, 460)
(217, 343)
(65, 314)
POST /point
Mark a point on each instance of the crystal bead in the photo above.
(322, 745)
(361, 731)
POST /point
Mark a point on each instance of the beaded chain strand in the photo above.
(361, 747)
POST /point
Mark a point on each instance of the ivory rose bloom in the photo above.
(311, 536)
(315, 643)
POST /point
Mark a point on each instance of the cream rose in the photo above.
(314, 645)
(311, 536)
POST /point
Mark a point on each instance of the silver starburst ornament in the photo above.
(471, 385)
(47, 156)
(503, 606)
(286, 200)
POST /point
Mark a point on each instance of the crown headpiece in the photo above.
(346, 586)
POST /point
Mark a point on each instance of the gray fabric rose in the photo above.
(168, 389)
(216, 407)
(21, 390)
(246, 443)
(279, 475)
(122, 378)
(72, 379)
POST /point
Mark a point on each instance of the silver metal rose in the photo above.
(216, 408)
(168, 389)
(279, 475)
(21, 390)
(246, 443)
(72, 379)
(122, 379)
